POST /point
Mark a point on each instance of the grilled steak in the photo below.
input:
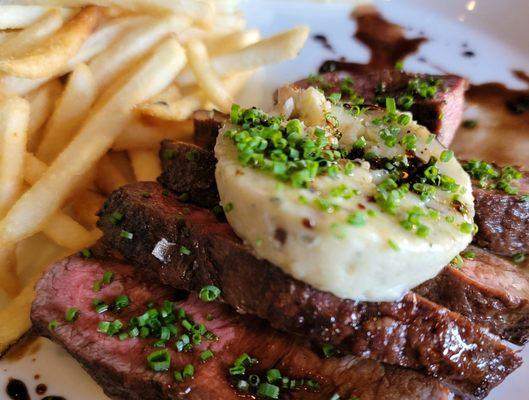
(441, 112)
(413, 332)
(121, 368)
(488, 289)
(503, 219)
(190, 171)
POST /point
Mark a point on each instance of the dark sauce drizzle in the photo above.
(17, 390)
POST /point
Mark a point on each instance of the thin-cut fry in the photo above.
(110, 114)
(67, 232)
(33, 34)
(140, 135)
(18, 16)
(15, 317)
(33, 169)
(109, 177)
(231, 42)
(42, 101)
(94, 45)
(51, 56)
(146, 164)
(70, 111)
(85, 206)
(201, 9)
(170, 105)
(9, 281)
(133, 45)
(14, 119)
(207, 78)
(272, 50)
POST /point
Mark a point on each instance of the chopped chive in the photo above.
(52, 325)
(273, 375)
(393, 245)
(126, 235)
(466, 228)
(209, 293)
(159, 360)
(108, 277)
(268, 391)
(518, 258)
(446, 155)
(184, 251)
(228, 207)
(469, 255)
(72, 314)
(206, 355)
(188, 371)
(121, 302)
(86, 253)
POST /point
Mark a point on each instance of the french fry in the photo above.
(108, 176)
(15, 317)
(70, 111)
(170, 105)
(231, 42)
(20, 16)
(272, 50)
(33, 34)
(141, 136)
(14, 119)
(85, 206)
(133, 45)
(42, 101)
(51, 56)
(112, 111)
(146, 164)
(94, 45)
(207, 78)
(9, 281)
(67, 232)
(194, 8)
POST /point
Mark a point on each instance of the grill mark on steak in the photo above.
(120, 367)
(413, 332)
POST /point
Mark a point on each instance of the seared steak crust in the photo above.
(413, 332)
(121, 369)
(503, 219)
(189, 170)
(489, 290)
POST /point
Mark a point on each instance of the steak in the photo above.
(487, 289)
(413, 332)
(503, 219)
(121, 368)
(190, 171)
(441, 112)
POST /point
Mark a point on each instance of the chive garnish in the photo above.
(209, 293)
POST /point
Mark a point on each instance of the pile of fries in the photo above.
(88, 88)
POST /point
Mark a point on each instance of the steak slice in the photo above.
(413, 332)
(487, 289)
(121, 368)
(441, 114)
(190, 171)
(503, 219)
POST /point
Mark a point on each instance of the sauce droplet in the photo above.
(41, 389)
(17, 390)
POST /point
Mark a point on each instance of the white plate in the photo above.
(495, 32)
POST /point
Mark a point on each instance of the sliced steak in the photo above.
(189, 170)
(487, 289)
(413, 332)
(121, 368)
(441, 113)
(207, 125)
(503, 219)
